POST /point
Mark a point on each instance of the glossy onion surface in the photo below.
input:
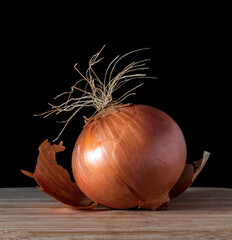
(129, 157)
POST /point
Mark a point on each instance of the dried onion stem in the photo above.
(96, 93)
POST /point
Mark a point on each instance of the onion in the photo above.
(129, 156)
(126, 156)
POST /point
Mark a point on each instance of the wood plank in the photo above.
(199, 213)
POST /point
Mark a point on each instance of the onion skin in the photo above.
(129, 156)
(55, 181)
(188, 175)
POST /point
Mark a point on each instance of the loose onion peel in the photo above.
(54, 180)
(127, 156)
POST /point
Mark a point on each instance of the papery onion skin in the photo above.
(129, 157)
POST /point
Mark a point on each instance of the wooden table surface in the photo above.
(199, 213)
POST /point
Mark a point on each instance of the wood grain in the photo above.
(199, 213)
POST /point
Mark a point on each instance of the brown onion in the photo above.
(129, 156)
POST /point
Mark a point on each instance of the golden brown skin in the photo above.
(54, 180)
(131, 157)
(188, 175)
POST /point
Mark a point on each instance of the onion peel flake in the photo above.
(54, 180)
(188, 176)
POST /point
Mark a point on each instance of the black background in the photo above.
(189, 52)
